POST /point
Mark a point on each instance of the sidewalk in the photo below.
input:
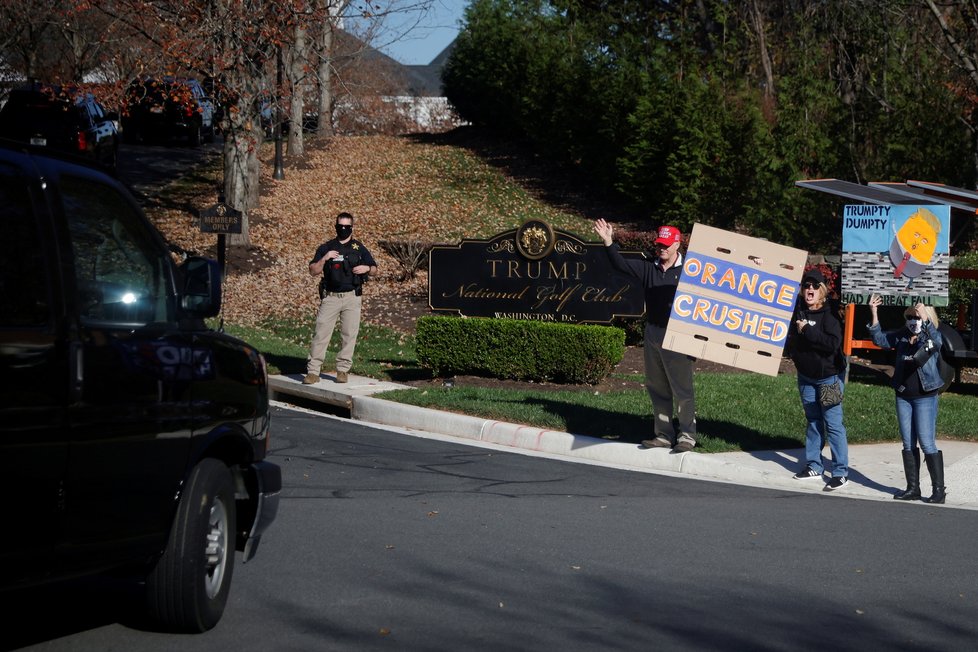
(875, 470)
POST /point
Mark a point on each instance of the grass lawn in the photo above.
(456, 194)
(735, 411)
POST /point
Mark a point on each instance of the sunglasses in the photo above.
(808, 285)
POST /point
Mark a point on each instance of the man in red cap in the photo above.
(668, 375)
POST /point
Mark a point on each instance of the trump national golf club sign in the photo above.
(532, 272)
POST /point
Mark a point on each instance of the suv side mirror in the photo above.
(201, 292)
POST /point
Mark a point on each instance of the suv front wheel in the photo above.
(188, 588)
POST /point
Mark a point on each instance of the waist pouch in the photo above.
(830, 395)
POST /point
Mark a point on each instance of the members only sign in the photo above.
(735, 300)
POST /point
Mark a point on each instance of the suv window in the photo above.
(24, 294)
(61, 120)
(120, 274)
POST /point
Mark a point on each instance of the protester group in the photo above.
(814, 344)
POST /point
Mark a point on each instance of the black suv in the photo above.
(58, 118)
(132, 436)
(167, 108)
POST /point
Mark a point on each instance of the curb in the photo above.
(876, 474)
(378, 410)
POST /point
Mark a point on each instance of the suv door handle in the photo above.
(77, 371)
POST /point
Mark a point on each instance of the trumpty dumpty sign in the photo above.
(900, 252)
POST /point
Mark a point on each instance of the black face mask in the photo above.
(344, 231)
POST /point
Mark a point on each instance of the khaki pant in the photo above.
(669, 382)
(344, 306)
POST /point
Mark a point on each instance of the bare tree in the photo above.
(957, 21)
(323, 53)
(231, 44)
(758, 24)
(25, 27)
(298, 76)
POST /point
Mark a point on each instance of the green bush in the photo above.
(637, 241)
(960, 290)
(518, 350)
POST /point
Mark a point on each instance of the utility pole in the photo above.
(279, 172)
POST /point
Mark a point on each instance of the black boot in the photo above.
(935, 466)
(911, 468)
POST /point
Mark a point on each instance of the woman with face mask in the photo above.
(917, 381)
(814, 344)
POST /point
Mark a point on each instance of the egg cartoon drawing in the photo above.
(913, 246)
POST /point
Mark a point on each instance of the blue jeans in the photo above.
(918, 422)
(824, 424)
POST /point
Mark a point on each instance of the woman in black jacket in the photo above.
(815, 346)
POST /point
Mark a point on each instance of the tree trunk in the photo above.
(241, 171)
(757, 21)
(964, 58)
(324, 68)
(298, 65)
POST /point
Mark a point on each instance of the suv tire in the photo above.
(188, 587)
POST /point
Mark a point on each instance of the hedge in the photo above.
(518, 349)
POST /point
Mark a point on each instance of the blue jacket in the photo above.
(929, 373)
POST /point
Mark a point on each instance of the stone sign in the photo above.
(533, 272)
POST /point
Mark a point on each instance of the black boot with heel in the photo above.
(935, 466)
(911, 468)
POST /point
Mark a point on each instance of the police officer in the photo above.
(344, 264)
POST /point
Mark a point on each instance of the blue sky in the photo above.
(414, 38)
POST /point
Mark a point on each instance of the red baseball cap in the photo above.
(668, 235)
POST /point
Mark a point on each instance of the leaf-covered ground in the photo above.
(431, 188)
(399, 188)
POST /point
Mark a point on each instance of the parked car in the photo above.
(62, 119)
(167, 108)
(133, 436)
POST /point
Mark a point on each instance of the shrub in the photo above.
(960, 290)
(517, 349)
(411, 255)
(636, 241)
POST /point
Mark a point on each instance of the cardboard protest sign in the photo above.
(897, 251)
(735, 300)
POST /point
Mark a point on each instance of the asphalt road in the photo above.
(145, 168)
(391, 542)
